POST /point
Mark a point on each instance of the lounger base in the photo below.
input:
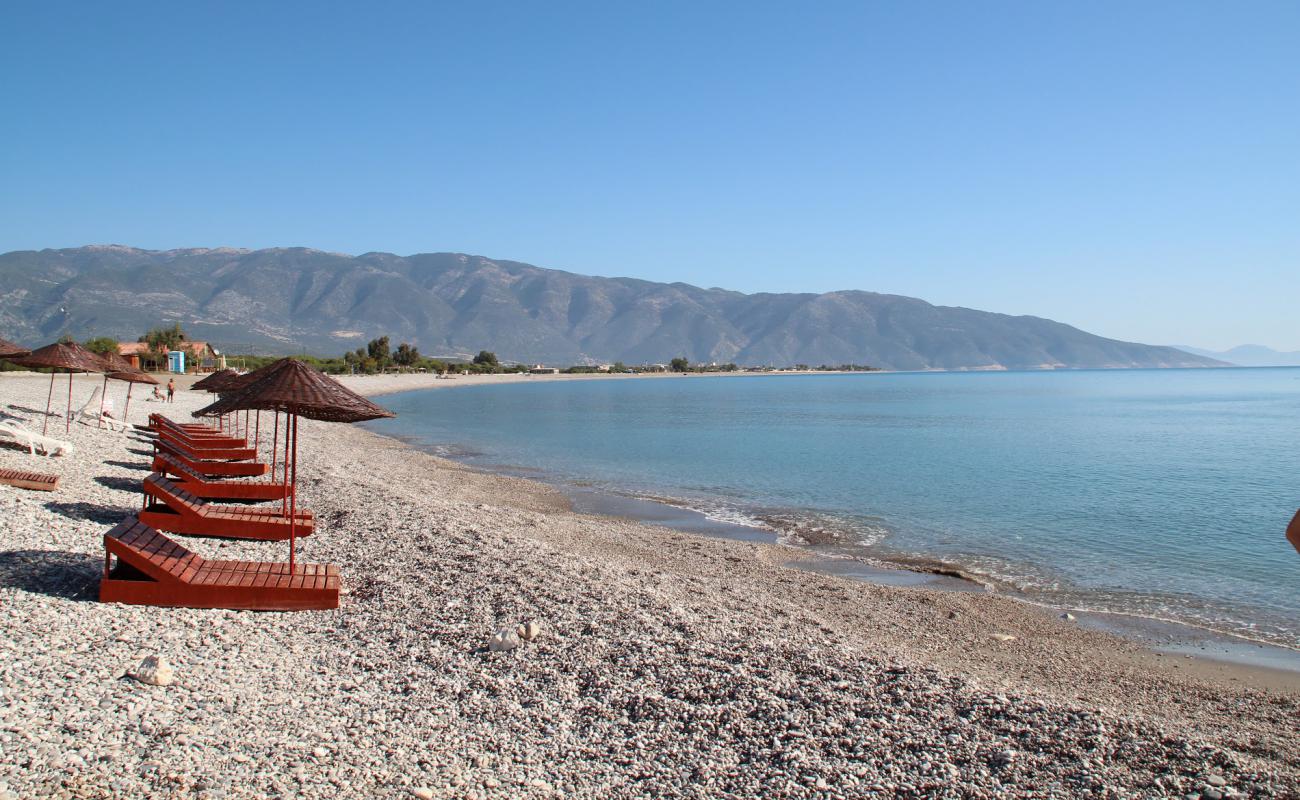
(154, 570)
(153, 593)
(29, 480)
(264, 527)
(220, 469)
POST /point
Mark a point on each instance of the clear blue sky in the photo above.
(1131, 168)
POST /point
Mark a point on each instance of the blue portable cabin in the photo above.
(176, 361)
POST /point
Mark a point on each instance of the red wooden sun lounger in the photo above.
(162, 425)
(209, 449)
(1293, 532)
(154, 570)
(224, 489)
(29, 480)
(204, 465)
(178, 511)
(158, 420)
(201, 442)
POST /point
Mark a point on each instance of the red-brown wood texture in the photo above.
(208, 467)
(203, 442)
(30, 480)
(199, 485)
(152, 569)
(157, 420)
(207, 453)
(1293, 532)
(178, 511)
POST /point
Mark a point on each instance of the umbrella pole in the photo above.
(46, 427)
(285, 506)
(293, 497)
(68, 426)
(275, 442)
(257, 428)
(127, 408)
(103, 395)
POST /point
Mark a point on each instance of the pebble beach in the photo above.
(492, 643)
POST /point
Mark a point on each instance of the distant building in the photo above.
(199, 356)
(538, 369)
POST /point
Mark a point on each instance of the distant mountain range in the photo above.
(1249, 355)
(450, 304)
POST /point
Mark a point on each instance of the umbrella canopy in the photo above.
(215, 381)
(67, 356)
(119, 369)
(10, 350)
(293, 387)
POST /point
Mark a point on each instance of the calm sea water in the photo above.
(1164, 493)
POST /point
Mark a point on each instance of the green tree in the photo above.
(486, 359)
(406, 355)
(101, 345)
(160, 340)
(679, 364)
(378, 350)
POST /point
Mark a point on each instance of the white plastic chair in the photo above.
(32, 440)
(89, 414)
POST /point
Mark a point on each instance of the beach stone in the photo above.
(320, 752)
(504, 639)
(1216, 780)
(1004, 637)
(1068, 617)
(422, 792)
(530, 630)
(155, 671)
(1212, 794)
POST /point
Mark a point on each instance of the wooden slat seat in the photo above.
(152, 569)
(212, 467)
(199, 443)
(29, 480)
(202, 449)
(1293, 532)
(179, 511)
(223, 489)
(159, 424)
(157, 421)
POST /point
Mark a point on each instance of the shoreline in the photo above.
(759, 679)
(1162, 635)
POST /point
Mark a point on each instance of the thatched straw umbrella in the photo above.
(119, 369)
(69, 357)
(217, 383)
(298, 390)
(10, 350)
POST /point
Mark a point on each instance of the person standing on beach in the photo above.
(171, 389)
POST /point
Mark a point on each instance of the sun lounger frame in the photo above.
(179, 511)
(226, 489)
(144, 567)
